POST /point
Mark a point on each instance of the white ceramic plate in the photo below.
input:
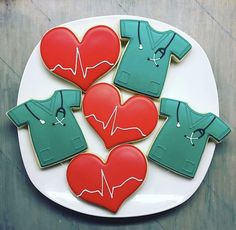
(192, 81)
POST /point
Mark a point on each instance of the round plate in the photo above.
(192, 81)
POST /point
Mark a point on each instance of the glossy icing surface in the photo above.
(80, 62)
(107, 184)
(145, 61)
(154, 196)
(55, 133)
(118, 122)
(180, 143)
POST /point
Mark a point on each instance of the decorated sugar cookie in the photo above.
(55, 133)
(145, 62)
(107, 184)
(80, 62)
(182, 140)
(118, 122)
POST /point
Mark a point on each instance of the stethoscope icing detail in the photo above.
(191, 137)
(200, 131)
(60, 110)
(177, 116)
(197, 133)
(40, 120)
(139, 37)
(160, 52)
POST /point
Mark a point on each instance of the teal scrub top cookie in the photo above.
(55, 133)
(146, 59)
(181, 141)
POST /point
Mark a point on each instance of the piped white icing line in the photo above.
(114, 128)
(111, 190)
(59, 121)
(191, 138)
(78, 59)
(154, 59)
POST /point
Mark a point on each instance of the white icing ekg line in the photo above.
(114, 129)
(110, 190)
(78, 59)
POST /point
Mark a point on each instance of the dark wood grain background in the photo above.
(211, 23)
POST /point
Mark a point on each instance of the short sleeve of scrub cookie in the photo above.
(218, 129)
(127, 28)
(168, 107)
(180, 46)
(72, 97)
(18, 115)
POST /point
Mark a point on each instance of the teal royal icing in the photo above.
(145, 62)
(55, 133)
(181, 141)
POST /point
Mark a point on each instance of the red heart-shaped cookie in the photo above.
(107, 184)
(80, 62)
(117, 123)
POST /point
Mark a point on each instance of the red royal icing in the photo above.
(115, 122)
(80, 62)
(107, 184)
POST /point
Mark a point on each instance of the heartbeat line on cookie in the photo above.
(114, 128)
(78, 60)
(111, 190)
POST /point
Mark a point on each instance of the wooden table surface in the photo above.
(211, 23)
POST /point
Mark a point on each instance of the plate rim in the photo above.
(19, 131)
